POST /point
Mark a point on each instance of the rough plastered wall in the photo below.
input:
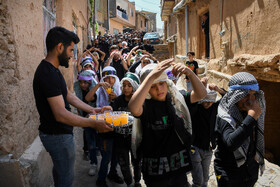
(181, 37)
(172, 25)
(65, 11)
(252, 27)
(21, 50)
(193, 30)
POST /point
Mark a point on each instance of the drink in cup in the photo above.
(123, 118)
(116, 120)
(109, 90)
(109, 119)
(101, 117)
(93, 117)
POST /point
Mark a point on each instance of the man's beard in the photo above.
(63, 59)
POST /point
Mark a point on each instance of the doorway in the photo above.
(272, 120)
(204, 39)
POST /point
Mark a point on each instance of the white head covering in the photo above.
(177, 98)
(132, 78)
(102, 96)
(210, 97)
(124, 42)
(139, 68)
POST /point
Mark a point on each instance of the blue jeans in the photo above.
(201, 160)
(108, 153)
(62, 151)
(91, 141)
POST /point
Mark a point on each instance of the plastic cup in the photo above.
(109, 119)
(101, 117)
(107, 112)
(93, 117)
(115, 120)
(109, 90)
(124, 119)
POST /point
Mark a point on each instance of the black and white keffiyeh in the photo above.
(240, 85)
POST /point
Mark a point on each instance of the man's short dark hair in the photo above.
(60, 35)
(191, 53)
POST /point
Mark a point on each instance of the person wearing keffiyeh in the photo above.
(240, 127)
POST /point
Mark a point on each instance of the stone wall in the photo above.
(263, 67)
(161, 52)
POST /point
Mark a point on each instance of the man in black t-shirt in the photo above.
(52, 101)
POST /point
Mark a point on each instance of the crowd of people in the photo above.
(173, 131)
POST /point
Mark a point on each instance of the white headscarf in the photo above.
(102, 96)
(132, 78)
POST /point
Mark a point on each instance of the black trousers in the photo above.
(123, 147)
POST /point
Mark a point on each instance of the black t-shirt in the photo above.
(163, 153)
(49, 82)
(120, 104)
(119, 68)
(125, 50)
(84, 114)
(193, 66)
(203, 123)
(148, 48)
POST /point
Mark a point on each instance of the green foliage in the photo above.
(92, 13)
